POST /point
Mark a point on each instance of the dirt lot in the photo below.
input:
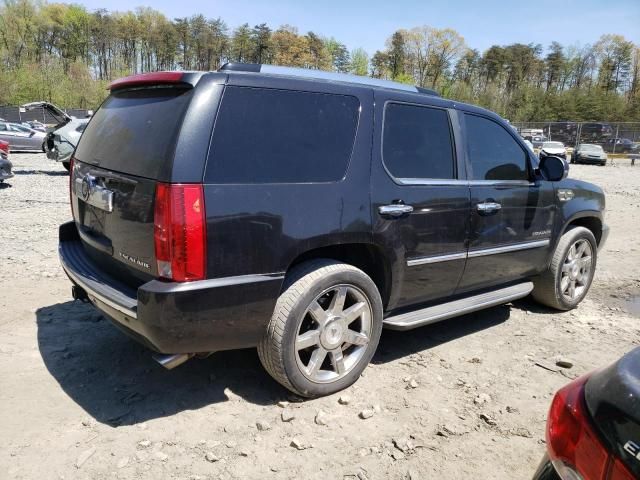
(78, 399)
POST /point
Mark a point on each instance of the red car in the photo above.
(5, 164)
(593, 427)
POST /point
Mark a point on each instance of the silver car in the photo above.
(589, 153)
(22, 138)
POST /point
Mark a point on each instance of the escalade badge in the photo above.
(134, 260)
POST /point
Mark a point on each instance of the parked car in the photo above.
(589, 153)
(563, 131)
(35, 125)
(22, 138)
(528, 133)
(595, 131)
(5, 164)
(556, 149)
(538, 140)
(317, 209)
(593, 426)
(621, 145)
(4, 149)
(62, 139)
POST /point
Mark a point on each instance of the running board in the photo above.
(425, 316)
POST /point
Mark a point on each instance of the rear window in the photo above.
(135, 131)
(281, 136)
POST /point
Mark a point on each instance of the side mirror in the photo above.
(554, 169)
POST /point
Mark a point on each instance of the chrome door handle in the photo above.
(395, 209)
(488, 207)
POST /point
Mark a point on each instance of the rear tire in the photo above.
(568, 279)
(324, 330)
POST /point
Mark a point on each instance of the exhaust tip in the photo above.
(173, 360)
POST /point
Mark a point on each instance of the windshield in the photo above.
(594, 148)
(552, 145)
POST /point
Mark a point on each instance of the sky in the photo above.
(368, 23)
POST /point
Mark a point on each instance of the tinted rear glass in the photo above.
(417, 142)
(281, 136)
(135, 131)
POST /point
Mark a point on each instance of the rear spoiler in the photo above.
(183, 79)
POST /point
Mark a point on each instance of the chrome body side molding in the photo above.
(508, 248)
(436, 259)
(478, 253)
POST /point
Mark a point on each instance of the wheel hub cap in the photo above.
(576, 270)
(332, 335)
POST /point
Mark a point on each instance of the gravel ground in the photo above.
(466, 398)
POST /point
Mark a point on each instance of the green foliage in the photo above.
(67, 55)
(359, 62)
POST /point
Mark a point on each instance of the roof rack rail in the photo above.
(322, 75)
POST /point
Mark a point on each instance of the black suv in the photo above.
(301, 211)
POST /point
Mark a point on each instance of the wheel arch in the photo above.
(590, 220)
(366, 256)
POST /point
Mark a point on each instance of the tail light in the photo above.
(574, 447)
(71, 187)
(180, 232)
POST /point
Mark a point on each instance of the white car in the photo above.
(553, 149)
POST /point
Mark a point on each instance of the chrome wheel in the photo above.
(576, 270)
(333, 334)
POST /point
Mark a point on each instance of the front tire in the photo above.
(568, 279)
(324, 330)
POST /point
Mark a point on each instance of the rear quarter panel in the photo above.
(262, 228)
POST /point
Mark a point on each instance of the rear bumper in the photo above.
(191, 317)
(596, 161)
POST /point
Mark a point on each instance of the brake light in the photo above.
(71, 187)
(180, 232)
(154, 78)
(574, 447)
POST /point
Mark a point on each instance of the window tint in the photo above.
(135, 131)
(280, 136)
(493, 152)
(417, 142)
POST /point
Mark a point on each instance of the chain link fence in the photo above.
(18, 115)
(616, 138)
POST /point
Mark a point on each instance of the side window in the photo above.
(3, 127)
(281, 136)
(494, 154)
(417, 142)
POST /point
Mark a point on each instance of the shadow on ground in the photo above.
(50, 173)
(4, 185)
(115, 380)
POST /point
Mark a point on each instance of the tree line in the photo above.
(67, 55)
